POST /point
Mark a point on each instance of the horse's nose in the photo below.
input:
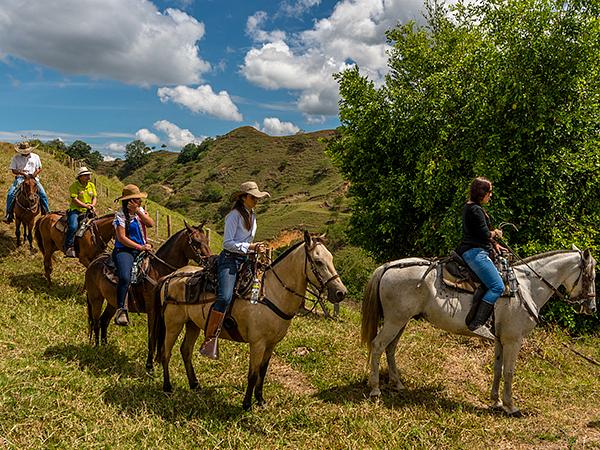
(340, 294)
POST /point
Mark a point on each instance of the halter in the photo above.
(36, 199)
(323, 284)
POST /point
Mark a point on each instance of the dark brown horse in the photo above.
(93, 242)
(191, 243)
(27, 207)
(261, 325)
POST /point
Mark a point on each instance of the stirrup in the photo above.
(484, 332)
(210, 348)
(121, 318)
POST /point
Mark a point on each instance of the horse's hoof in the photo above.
(375, 394)
(517, 414)
(247, 406)
(195, 386)
(167, 388)
(150, 370)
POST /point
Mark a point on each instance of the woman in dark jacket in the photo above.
(475, 248)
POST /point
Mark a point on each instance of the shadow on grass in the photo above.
(103, 360)
(37, 283)
(8, 243)
(429, 397)
(182, 404)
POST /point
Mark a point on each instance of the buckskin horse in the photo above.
(93, 242)
(191, 243)
(27, 207)
(261, 325)
(400, 290)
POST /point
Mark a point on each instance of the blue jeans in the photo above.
(12, 192)
(479, 262)
(228, 265)
(73, 224)
(123, 259)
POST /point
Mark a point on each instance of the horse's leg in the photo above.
(48, 263)
(192, 331)
(509, 359)
(496, 403)
(18, 231)
(108, 313)
(30, 235)
(173, 326)
(264, 365)
(94, 302)
(386, 335)
(151, 339)
(257, 352)
(390, 353)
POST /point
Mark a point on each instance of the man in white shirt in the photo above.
(25, 162)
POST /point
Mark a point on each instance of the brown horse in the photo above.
(27, 207)
(262, 325)
(191, 243)
(93, 242)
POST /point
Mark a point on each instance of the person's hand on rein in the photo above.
(258, 247)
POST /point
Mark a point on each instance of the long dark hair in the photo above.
(480, 186)
(239, 206)
(124, 204)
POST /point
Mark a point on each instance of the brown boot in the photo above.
(210, 347)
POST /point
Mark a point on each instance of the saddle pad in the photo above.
(61, 224)
(457, 282)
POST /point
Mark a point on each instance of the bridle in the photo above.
(21, 193)
(197, 249)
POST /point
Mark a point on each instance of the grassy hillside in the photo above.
(57, 391)
(307, 190)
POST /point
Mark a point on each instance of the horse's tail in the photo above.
(371, 308)
(159, 321)
(38, 236)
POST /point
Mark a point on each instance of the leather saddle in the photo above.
(140, 268)
(456, 274)
(61, 224)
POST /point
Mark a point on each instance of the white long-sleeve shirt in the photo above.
(237, 238)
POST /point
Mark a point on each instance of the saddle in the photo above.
(84, 223)
(140, 268)
(456, 274)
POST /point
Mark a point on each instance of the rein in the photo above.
(21, 193)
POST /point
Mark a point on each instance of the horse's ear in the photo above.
(574, 247)
(187, 227)
(323, 237)
(307, 238)
(201, 226)
(587, 254)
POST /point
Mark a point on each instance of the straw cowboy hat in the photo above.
(24, 148)
(131, 191)
(83, 171)
(250, 187)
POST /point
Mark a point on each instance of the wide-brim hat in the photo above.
(24, 148)
(250, 187)
(131, 191)
(83, 171)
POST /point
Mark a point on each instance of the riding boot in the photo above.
(210, 347)
(477, 325)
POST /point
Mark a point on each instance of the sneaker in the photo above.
(121, 317)
(70, 253)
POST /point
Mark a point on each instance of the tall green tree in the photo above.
(83, 151)
(507, 89)
(136, 155)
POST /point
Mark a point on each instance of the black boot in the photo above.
(481, 317)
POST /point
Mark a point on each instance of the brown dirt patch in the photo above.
(285, 238)
(290, 378)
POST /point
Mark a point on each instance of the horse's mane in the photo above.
(286, 253)
(541, 255)
(169, 242)
(105, 216)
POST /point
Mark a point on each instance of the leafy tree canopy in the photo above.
(193, 151)
(136, 155)
(80, 150)
(507, 89)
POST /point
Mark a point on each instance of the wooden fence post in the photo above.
(168, 226)
(156, 224)
(208, 235)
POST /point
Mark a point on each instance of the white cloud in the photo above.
(254, 30)
(275, 127)
(178, 137)
(116, 147)
(202, 100)
(298, 7)
(353, 34)
(147, 136)
(125, 40)
(108, 158)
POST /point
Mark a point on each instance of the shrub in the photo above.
(355, 267)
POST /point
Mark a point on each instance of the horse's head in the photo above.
(323, 274)
(29, 188)
(583, 289)
(198, 245)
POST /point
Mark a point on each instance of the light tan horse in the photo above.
(261, 325)
(191, 243)
(93, 242)
(27, 207)
(398, 292)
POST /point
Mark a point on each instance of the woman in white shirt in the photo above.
(240, 229)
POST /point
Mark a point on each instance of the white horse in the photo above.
(401, 290)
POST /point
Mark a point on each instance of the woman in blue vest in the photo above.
(240, 229)
(130, 239)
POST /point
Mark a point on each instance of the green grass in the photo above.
(57, 391)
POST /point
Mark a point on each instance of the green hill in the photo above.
(307, 190)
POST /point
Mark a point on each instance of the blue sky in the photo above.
(173, 72)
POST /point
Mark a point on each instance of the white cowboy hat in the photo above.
(83, 171)
(250, 187)
(24, 148)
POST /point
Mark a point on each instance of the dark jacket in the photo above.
(476, 229)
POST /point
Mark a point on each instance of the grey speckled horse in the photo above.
(398, 292)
